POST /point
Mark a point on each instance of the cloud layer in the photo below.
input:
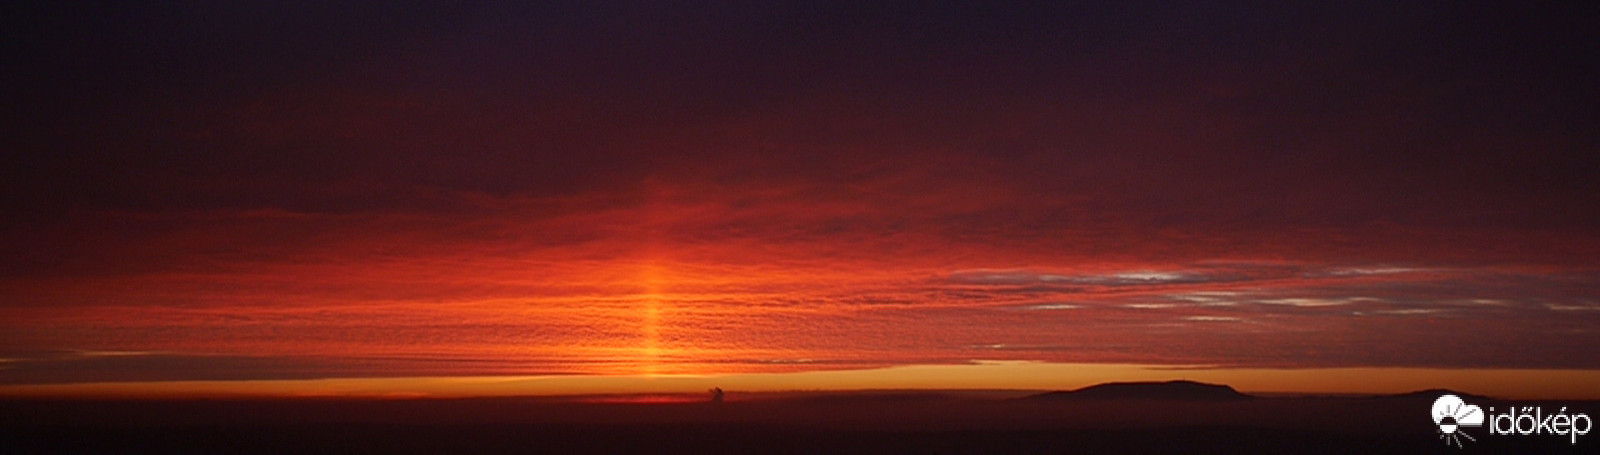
(222, 191)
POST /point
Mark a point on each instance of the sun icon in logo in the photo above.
(1451, 414)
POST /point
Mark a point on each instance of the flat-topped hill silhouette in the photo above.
(1170, 390)
(1151, 417)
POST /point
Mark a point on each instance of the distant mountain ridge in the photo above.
(1169, 390)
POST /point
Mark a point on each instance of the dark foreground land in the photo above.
(877, 423)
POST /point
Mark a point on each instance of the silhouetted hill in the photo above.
(871, 422)
(1170, 390)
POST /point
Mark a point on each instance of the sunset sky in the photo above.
(406, 197)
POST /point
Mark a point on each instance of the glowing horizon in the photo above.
(624, 191)
(628, 317)
(980, 376)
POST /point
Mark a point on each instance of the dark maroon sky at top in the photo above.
(149, 138)
(1427, 113)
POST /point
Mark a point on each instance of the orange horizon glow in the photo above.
(988, 376)
(711, 308)
(419, 199)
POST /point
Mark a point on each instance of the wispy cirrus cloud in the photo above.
(684, 317)
(568, 189)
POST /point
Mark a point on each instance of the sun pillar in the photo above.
(650, 355)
